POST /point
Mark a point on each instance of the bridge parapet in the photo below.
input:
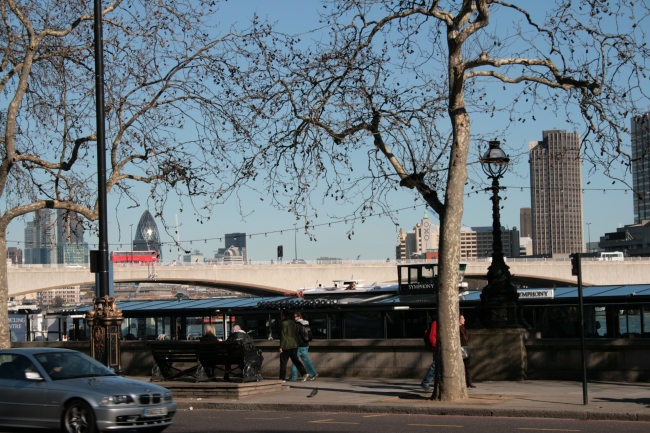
(278, 278)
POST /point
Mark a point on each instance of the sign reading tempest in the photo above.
(536, 293)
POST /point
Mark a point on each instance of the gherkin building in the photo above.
(147, 237)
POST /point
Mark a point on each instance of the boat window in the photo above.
(256, 325)
(363, 324)
(405, 324)
(336, 326)
(630, 323)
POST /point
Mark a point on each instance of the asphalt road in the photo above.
(198, 421)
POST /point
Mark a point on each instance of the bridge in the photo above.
(272, 279)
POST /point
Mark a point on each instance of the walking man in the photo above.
(304, 337)
(289, 347)
(430, 339)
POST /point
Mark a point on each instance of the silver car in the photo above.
(49, 388)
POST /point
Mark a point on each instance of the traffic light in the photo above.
(575, 264)
(280, 251)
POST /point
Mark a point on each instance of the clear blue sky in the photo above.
(376, 238)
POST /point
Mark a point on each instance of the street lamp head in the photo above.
(494, 161)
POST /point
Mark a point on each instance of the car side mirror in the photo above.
(33, 375)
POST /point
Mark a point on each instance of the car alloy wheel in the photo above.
(79, 418)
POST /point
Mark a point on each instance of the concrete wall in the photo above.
(496, 355)
(620, 360)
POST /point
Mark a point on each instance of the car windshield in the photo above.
(70, 365)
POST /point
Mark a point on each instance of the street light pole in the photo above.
(105, 318)
(499, 297)
(295, 240)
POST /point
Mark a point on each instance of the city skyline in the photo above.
(269, 227)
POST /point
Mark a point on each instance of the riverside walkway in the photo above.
(531, 399)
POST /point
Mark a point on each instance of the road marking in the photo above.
(544, 429)
(372, 416)
(435, 425)
(331, 421)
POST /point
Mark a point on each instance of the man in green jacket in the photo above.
(289, 347)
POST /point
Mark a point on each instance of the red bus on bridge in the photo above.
(134, 256)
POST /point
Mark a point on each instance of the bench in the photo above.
(205, 357)
(169, 352)
(231, 356)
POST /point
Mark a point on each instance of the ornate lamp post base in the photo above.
(105, 321)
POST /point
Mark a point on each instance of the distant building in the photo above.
(525, 222)
(237, 240)
(525, 246)
(424, 237)
(15, 255)
(640, 127)
(633, 240)
(477, 242)
(556, 194)
(147, 237)
(69, 295)
(70, 245)
(40, 239)
(195, 257)
(233, 255)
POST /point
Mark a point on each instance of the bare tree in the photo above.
(165, 67)
(382, 97)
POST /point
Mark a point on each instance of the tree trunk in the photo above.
(450, 371)
(5, 336)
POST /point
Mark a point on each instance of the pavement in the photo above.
(531, 399)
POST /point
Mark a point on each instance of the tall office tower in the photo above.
(237, 240)
(147, 237)
(556, 193)
(40, 239)
(525, 222)
(641, 167)
(70, 238)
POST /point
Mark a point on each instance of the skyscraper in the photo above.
(641, 167)
(147, 237)
(70, 245)
(525, 222)
(556, 193)
(40, 239)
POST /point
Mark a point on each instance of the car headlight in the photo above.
(116, 399)
(168, 396)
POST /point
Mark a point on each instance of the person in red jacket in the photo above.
(430, 339)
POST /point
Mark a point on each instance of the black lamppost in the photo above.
(499, 297)
(105, 319)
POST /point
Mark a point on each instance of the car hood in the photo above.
(109, 385)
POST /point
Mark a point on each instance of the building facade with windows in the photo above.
(641, 167)
(556, 194)
(40, 239)
(476, 242)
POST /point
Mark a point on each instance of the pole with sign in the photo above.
(576, 269)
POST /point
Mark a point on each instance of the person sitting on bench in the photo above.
(240, 336)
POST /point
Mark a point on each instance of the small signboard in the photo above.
(536, 293)
(18, 327)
